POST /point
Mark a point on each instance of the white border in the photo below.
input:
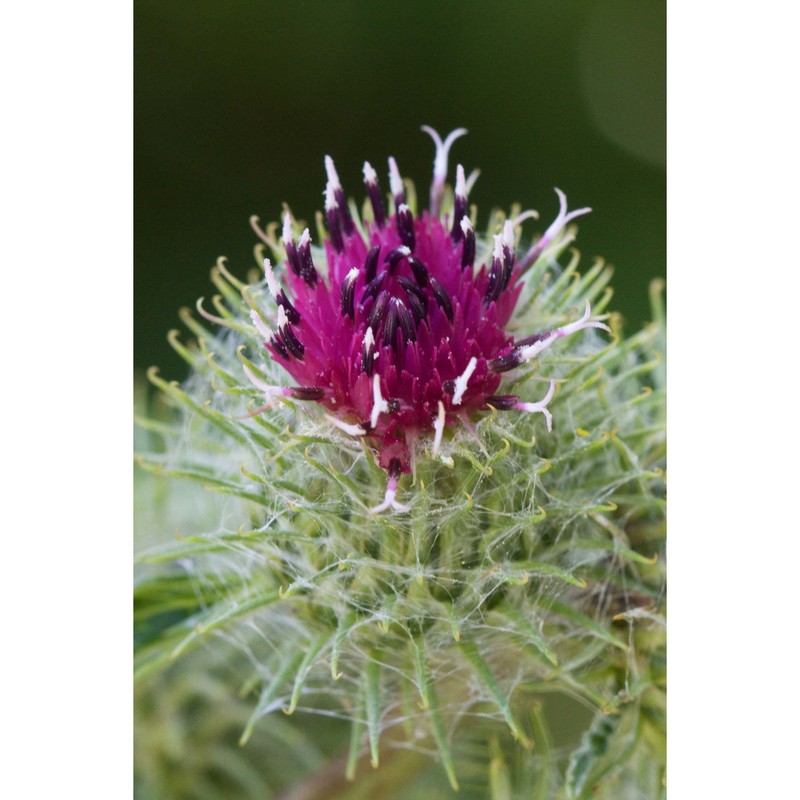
(733, 289)
(67, 322)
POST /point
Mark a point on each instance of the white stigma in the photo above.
(583, 322)
(555, 228)
(282, 318)
(442, 150)
(333, 177)
(395, 181)
(272, 284)
(541, 406)
(370, 176)
(287, 228)
(380, 406)
(438, 427)
(389, 499)
(369, 341)
(353, 430)
(473, 176)
(497, 254)
(461, 183)
(259, 324)
(352, 275)
(305, 239)
(530, 351)
(520, 218)
(270, 392)
(330, 197)
(462, 379)
(507, 237)
(563, 217)
(466, 225)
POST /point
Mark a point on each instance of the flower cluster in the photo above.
(403, 331)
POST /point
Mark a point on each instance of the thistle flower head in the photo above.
(517, 567)
(401, 330)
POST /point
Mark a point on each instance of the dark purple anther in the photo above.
(502, 402)
(405, 226)
(468, 253)
(306, 393)
(347, 221)
(508, 265)
(417, 301)
(344, 213)
(372, 288)
(349, 225)
(395, 468)
(504, 252)
(293, 344)
(442, 298)
(394, 257)
(378, 311)
(390, 327)
(418, 307)
(348, 294)
(292, 314)
(278, 344)
(406, 323)
(334, 229)
(371, 263)
(459, 204)
(374, 192)
(307, 268)
(532, 339)
(495, 285)
(411, 286)
(292, 257)
(335, 194)
(368, 352)
(419, 270)
(333, 218)
(506, 362)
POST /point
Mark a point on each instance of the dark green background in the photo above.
(237, 102)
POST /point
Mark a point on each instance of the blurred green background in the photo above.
(237, 103)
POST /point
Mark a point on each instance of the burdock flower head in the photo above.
(399, 328)
(431, 611)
